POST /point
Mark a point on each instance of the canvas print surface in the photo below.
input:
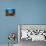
(10, 12)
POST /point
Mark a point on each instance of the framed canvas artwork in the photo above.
(10, 12)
